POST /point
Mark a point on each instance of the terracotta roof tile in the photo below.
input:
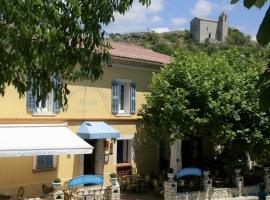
(126, 50)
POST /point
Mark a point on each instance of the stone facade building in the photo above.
(205, 30)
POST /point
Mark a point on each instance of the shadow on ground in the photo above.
(139, 196)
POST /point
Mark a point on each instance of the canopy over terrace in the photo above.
(40, 139)
(97, 130)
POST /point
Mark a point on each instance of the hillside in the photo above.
(168, 42)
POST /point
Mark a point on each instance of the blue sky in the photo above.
(165, 15)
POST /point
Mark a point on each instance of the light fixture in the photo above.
(106, 158)
(111, 148)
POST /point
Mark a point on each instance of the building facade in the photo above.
(205, 30)
(113, 100)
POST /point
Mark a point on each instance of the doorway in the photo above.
(89, 159)
(192, 152)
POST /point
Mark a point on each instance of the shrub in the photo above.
(57, 180)
(113, 175)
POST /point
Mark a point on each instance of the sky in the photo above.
(166, 15)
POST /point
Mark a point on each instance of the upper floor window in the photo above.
(48, 106)
(123, 97)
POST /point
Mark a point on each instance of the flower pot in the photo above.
(266, 169)
(114, 182)
(182, 183)
(170, 176)
(206, 174)
(237, 172)
(56, 186)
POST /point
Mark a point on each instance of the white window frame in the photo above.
(126, 84)
(130, 149)
(48, 109)
(35, 163)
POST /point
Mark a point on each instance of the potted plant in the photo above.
(171, 174)
(206, 173)
(56, 184)
(237, 172)
(113, 178)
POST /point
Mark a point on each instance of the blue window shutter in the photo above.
(40, 162)
(132, 98)
(115, 97)
(49, 161)
(31, 101)
(56, 103)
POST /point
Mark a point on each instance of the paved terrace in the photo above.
(150, 196)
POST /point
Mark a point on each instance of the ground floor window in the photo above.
(44, 162)
(123, 151)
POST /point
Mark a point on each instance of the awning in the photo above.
(97, 130)
(40, 139)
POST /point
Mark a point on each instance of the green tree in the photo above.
(163, 48)
(212, 96)
(235, 37)
(263, 35)
(45, 38)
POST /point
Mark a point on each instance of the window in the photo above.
(124, 151)
(44, 162)
(49, 106)
(123, 97)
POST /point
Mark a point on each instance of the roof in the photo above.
(130, 51)
(208, 20)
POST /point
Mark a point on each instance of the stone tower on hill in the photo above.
(205, 30)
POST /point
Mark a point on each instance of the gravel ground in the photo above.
(139, 196)
(151, 196)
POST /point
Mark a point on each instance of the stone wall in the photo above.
(215, 193)
(170, 189)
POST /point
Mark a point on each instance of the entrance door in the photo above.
(89, 159)
(192, 153)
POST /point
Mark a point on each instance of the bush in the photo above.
(170, 171)
(113, 175)
(57, 180)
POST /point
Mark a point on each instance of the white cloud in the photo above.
(138, 18)
(253, 38)
(156, 6)
(160, 30)
(178, 21)
(225, 6)
(156, 19)
(202, 8)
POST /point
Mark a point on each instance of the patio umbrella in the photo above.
(176, 155)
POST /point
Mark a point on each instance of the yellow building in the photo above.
(114, 100)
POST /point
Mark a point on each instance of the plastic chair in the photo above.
(145, 183)
(123, 184)
(18, 195)
(157, 188)
(46, 190)
(131, 186)
(71, 193)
